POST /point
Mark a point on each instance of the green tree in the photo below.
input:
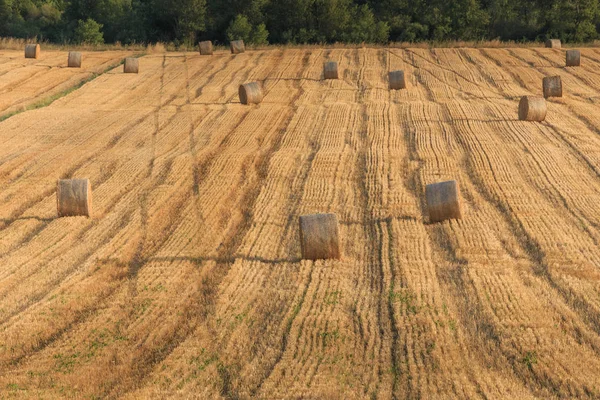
(239, 29)
(180, 19)
(260, 35)
(89, 32)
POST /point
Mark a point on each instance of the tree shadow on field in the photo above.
(228, 260)
(9, 221)
(201, 259)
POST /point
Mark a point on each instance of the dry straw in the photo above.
(251, 93)
(532, 108)
(319, 237)
(443, 201)
(573, 58)
(206, 48)
(237, 46)
(553, 44)
(552, 86)
(397, 80)
(32, 51)
(131, 66)
(74, 59)
(330, 70)
(74, 197)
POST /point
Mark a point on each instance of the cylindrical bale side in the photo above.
(32, 51)
(552, 86)
(206, 48)
(573, 58)
(397, 80)
(330, 70)
(319, 237)
(131, 66)
(553, 44)
(74, 59)
(74, 197)
(251, 93)
(237, 46)
(443, 201)
(532, 109)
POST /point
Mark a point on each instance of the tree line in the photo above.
(298, 21)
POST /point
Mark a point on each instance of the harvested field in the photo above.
(187, 280)
(25, 82)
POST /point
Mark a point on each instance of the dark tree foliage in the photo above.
(299, 21)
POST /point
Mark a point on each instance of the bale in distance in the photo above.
(74, 197)
(131, 66)
(573, 58)
(237, 46)
(330, 70)
(251, 93)
(552, 86)
(319, 237)
(74, 59)
(32, 51)
(443, 201)
(532, 108)
(206, 48)
(397, 80)
(553, 44)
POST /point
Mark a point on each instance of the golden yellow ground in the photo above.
(187, 281)
(25, 82)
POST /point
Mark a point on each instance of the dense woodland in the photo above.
(297, 21)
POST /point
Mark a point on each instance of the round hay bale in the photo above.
(74, 59)
(553, 44)
(131, 66)
(330, 70)
(443, 201)
(397, 80)
(74, 197)
(32, 51)
(206, 48)
(319, 237)
(237, 46)
(573, 58)
(552, 86)
(532, 108)
(251, 93)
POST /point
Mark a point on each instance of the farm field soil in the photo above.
(187, 281)
(25, 82)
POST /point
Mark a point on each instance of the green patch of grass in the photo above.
(65, 363)
(332, 298)
(405, 297)
(329, 337)
(530, 359)
(13, 387)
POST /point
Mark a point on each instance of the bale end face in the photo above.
(573, 58)
(330, 70)
(443, 201)
(552, 86)
(553, 44)
(237, 46)
(532, 109)
(74, 197)
(251, 93)
(74, 59)
(131, 66)
(397, 80)
(32, 51)
(319, 237)
(206, 48)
